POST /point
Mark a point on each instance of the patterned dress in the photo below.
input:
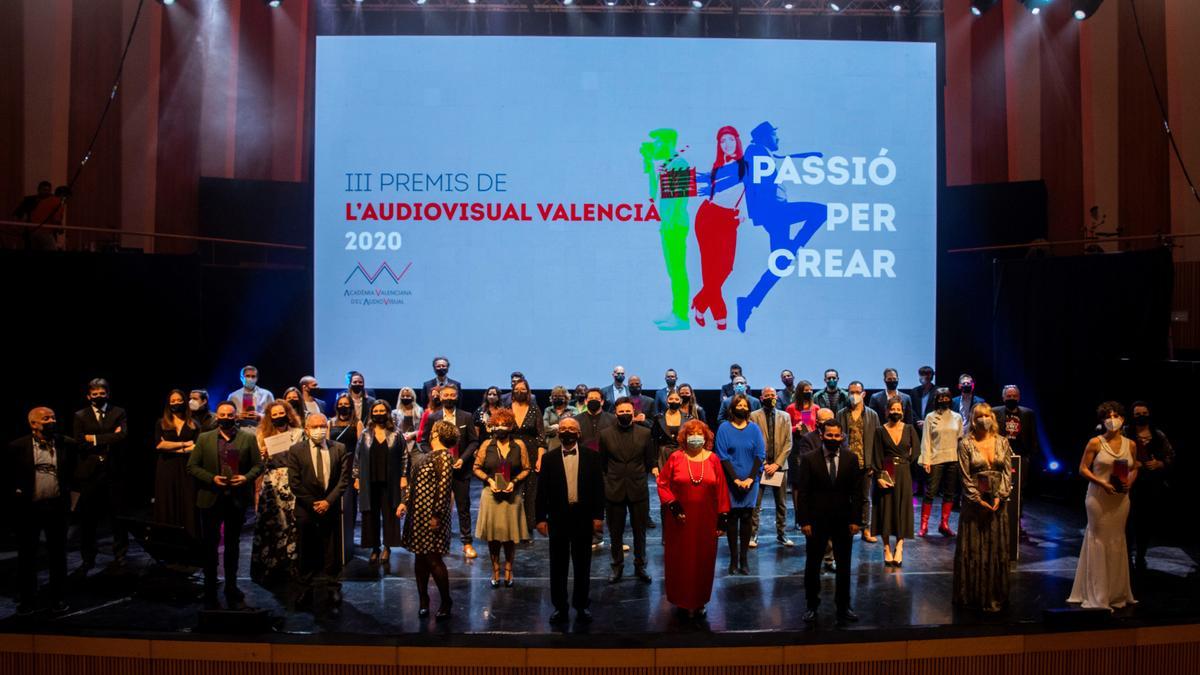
(981, 554)
(273, 555)
(429, 478)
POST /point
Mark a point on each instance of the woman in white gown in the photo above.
(1102, 577)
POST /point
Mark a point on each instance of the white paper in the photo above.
(279, 443)
(775, 480)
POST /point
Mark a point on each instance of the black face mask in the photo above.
(558, 401)
(895, 417)
(356, 388)
(379, 419)
(806, 396)
(625, 420)
(670, 383)
(635, 390)
(768, 403)
(593, 406)
(279, 422)
(942, 405)
(344, 412)
(1141, 420)
(580, 396)
(891, 384)
(967, 389)
(568, 437)
(226, 423)
(441, 372)
(1011, 404)
(178, 408)
(99, 401)
(673, 405)
(520, 396)
(51, 428)
(831, 445)
(741, 413)
(449, 404)
(618, 378)
(686, 400)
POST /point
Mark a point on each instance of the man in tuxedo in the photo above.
(100, 475)
(362, 398)
(569, 509)
(627, 454)
(441, 378)
(617, 389)
(318, 474)
(225, 463)
(830, 488)
(660, 397)
(37, 486)
(776, 427)
(464, 460)
(891, 387)
(923, 399)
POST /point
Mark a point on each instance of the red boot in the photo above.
(944, 528)
(926, 509)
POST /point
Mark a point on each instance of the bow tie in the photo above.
(567, 452)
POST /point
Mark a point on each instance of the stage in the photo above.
(148, 601)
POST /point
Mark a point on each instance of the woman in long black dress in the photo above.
(530, 431)
(378, 465)
(174, 488)
(893, 514)
(425, 508)
(345, 428)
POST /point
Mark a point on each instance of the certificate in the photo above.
(775, 480)
(277, 444)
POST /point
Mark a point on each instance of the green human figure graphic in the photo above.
(659, 156)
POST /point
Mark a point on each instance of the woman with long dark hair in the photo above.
(717, 221)
(378, 466)
(425, 507)
(174, 488)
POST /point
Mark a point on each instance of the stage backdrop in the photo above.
(535, 203)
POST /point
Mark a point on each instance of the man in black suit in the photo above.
(1019, 425)
(627, 454)
(644, 408)
(441, 370)
(923, 399)
(318, 474)
(735, 371)
(225, 463)
(830, 488)
(804, 442)
(37, 484)
(891, 387)
(569, 508)
(593, 420)
(100, 475)
(464, 459)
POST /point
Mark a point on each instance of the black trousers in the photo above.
(462, 499)
(230, 515)
(101, 498)
(319, 543)
(48, 516)
(529, 494)
(943, 478)
(639, 515)
(824, 534)
(378, 515)
(571, 545)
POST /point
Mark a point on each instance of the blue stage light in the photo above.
(1054, 466)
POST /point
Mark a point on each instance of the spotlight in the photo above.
(978, 7)
(1085, 8)
(567, 3)
(788, 6)
(273, 4)
(471, 2)
(611, 3)
(1054, 466)
(652, 3)
(420, 2)
(835, 7)
(1035, 6)
(696, 4)
(896, 7)
(166, 3)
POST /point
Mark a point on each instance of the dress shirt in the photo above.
(320, 453)
(571, 470)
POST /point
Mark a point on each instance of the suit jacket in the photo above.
(610, 396)
(878, 403)
(870, 438)
(204, 463)
(1025, 442)
(109, 447)
(829, 502)
(956, 406)
(626, 456)
(590, 427)
(648, 407)
(915, 394)
(427, 389)
(660, 399)
(19, 473)
(468, 439)
(302, 477)
(551, 505)
(777, 454)
(807, 442)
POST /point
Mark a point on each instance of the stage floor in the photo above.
(147, 600)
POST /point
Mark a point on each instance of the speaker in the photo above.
(249, 621)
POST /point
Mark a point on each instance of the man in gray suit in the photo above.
(776, 426)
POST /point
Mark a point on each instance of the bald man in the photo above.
(37, 474)
(319, 473)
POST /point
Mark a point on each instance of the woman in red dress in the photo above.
(691, 487)
(717, 221)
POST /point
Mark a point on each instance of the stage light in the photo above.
(835, 7)
(652, 3)
(567, 3)
(978, 7)
(1035, 6)
(1085, 8)
(696, 4)
(1054, 466)
(896, 7)
(788, 6)
(611, 3)
(166, 3)
(273, 4)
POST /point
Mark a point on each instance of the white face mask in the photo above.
(249, 382)
(1114, 423)
(855, 399)
(695, 441)
(318, 435)
(194, 405)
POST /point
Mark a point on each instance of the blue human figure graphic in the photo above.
(769, 208)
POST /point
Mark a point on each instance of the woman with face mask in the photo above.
(1150, 498)
(939, 458)
(528, 429)
(274, 552)
(560, 407)
(174, 488)
(893, 513)
(692, 489)
(345, 428)
(407, 413)
(981, 555)
(483, 414)
(742, 450)
(503, 463)
(688, 403)
(1109, 465)
(378, 465)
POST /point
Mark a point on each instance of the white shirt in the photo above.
(619, 391)
(571, 469)
(939, 439)
(45, 471)
(100, 412)
(320, 453)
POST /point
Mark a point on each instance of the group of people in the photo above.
(849, 462)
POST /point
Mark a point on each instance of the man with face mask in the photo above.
(739, 387)
(776, 428)
(250, 400)
(37, 474)
(507, 398)
(463, 456)
(441, 378)
(860, 426)
(225, 462)
(735, 371)
(830, 396)
(939, 459)
(787, 393)
(967, 398)
(804, 442)
(671, 378)
(830, 512)
(201, 415)
(627, 454)
(592, 421)
(308, 399)
(922, 395)
(579, 399)
(102, 474)
(891, 387)
(319, 474)
(617, 389)
(360, 396)
(1018, 424)
(643, 406)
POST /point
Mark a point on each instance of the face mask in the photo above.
(695, 441)
(500, 432)
(593, 406)
(942, 404)
(831, 445)
(318, 435)
(895, 417)
(891, 384)
(356, 388)
(279, 422)
(178, 408)
(673, 405)
(558, 400)
(379, 418)
(249, 382)
(449, 403)
(741, 413)
(568, 438)
(196, 406)
(226, 423)
(686, 400)
(618, 378)
(635, 389)
(855, 399)
(344, 412)
(625, 420)
(788, 382)
(967, 387)
(1114, 423)
(49, 429)
(581, 396)
(768, 403)
(1011, 403)
(984, 425)
(441, 372)
(831, 383)
(1141, 420)
(520, 396)
(806, 396)
(739, 388)
(671, 383)
(99, 401)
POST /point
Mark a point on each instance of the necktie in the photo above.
(320, 467)
(832, 459)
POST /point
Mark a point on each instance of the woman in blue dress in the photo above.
(742, 452)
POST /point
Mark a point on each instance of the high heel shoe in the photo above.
(495, 574)
(888, 560)
(385, 554)
(424, 611)
(698, 317)
(508, 577)
(374, 559)
(899, 558)
(443, 612)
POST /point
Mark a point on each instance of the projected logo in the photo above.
(738, 180)
(367, 295)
